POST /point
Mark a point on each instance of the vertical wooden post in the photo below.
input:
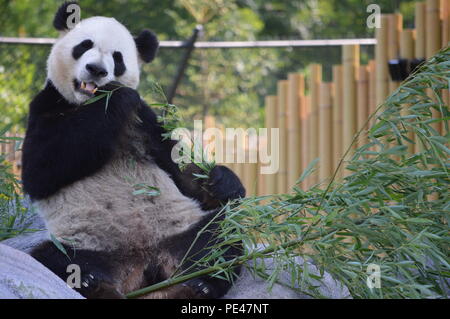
(305, 112)
(445, 17)
(3, 148)
(11, 148)
(337, 117)
(407, 40)
(314, 87)
(372, 90)
(420, 48)
(244, 169)
(381, 57)
(209, 122)
(271, 123)
(433, 40)
(295, 87)
(250, 168)
(251, 171)
(282, 105)
(407, 52)
(395, 26)
(262, 178)
(362, 93)
(349, 115)
(325, 132)
(420, 24)
(240, 144)
(229, 147)
(433, 27)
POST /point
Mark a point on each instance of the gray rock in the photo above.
(254, 287)
(21, 276)
(27, 241)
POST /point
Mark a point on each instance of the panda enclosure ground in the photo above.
(412, 155)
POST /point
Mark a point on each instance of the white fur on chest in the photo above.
(100, 212)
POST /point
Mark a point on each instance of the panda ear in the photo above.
(147, 45)
(67, 16)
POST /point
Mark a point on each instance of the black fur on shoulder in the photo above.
(61, 16)
(147, 44)
(65, 143)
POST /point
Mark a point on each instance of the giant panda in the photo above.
(81, 163)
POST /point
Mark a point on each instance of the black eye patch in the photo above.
(119, 65)
(79, 49)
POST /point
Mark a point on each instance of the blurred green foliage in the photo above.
(230, 84)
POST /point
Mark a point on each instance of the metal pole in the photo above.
(184, 62)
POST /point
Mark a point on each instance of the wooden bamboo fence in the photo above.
(323, 123)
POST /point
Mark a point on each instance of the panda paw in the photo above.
(121, 95)
(92, 287)
(225, 185)
(201, 289)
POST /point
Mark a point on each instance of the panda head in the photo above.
(94, 52)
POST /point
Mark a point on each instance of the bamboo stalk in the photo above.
(296, 87)
(433, 45)
(395, 26)
(262, 187)
(282, 105)
(372, 89)
(242, 149)
(420, 24)
(407, 52)
(362, 93)
(253, 163)
(420, 48)
(230, 160)
(407, 41)
(433, 28)
(445, 17)
(209, 122)
(381, 57)
(222, 265)
(250, 177)
(13, 157)
(314, 87)
(433, 41)
(270, 180)
(305, 113)
(349, 114)
(3, 147)
(337, 115)
(325, 132)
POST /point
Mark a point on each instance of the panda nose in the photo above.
(96, 70)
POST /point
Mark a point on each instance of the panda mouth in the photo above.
(88, 88)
